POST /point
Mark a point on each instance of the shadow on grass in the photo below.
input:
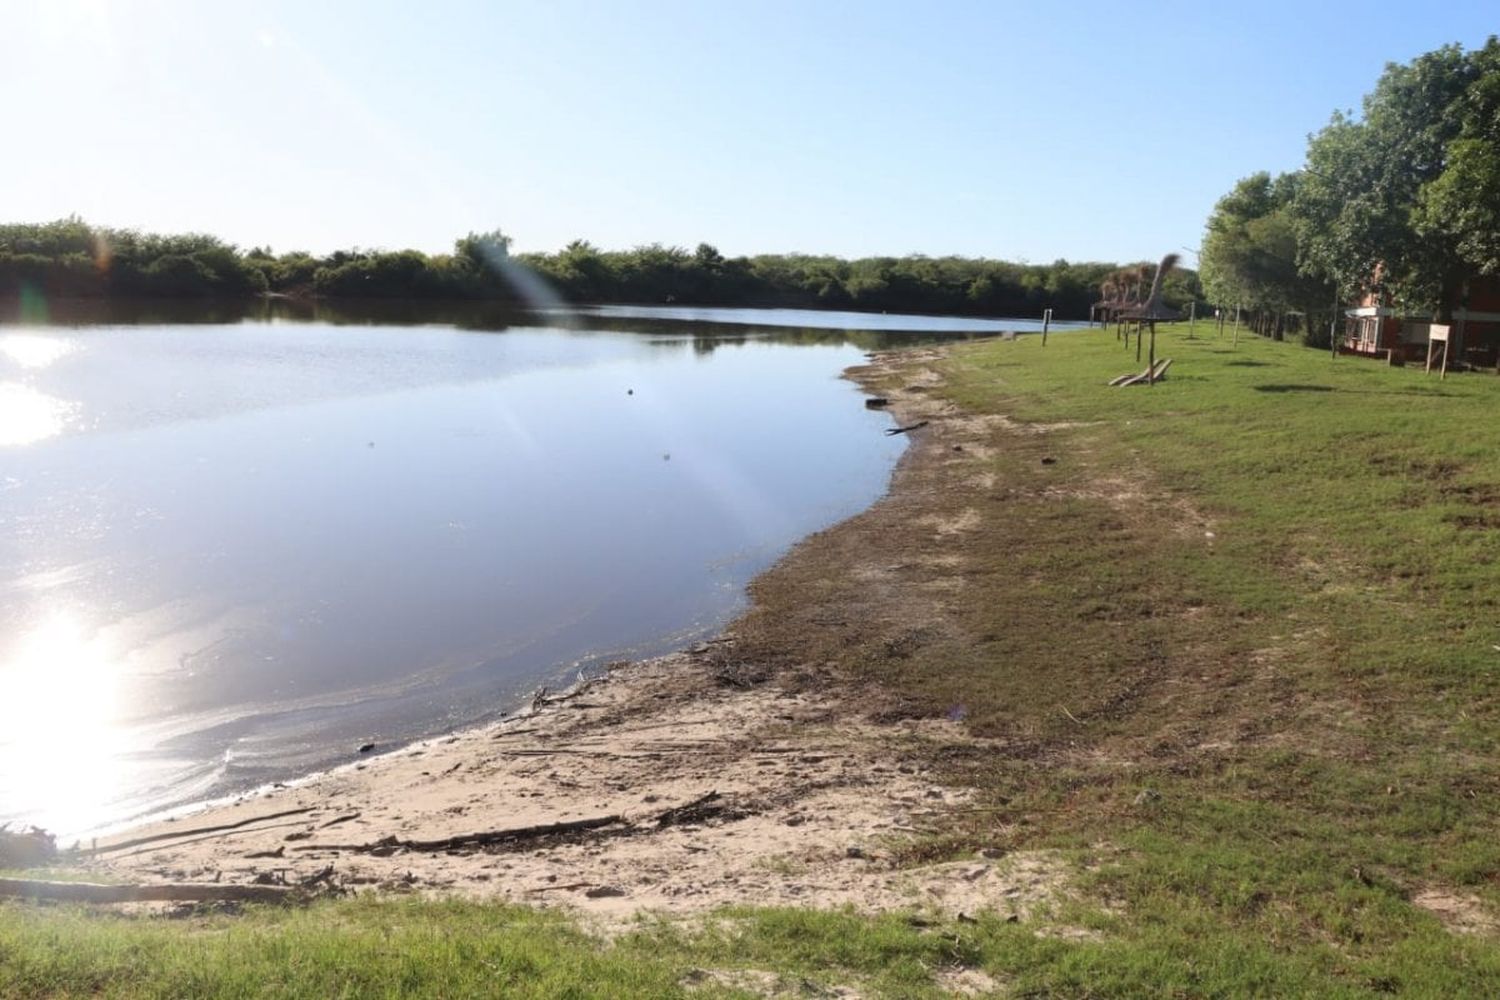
(1247, 363)
(1286, 387)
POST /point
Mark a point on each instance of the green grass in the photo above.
(415, 949)
(1310, 694)
(1312, 691)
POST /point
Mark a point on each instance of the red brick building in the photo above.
(1373, 328)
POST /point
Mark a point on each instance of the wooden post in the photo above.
(1151, 357)
(1438, 334)
(1334, 332)
(1046, 322)
(1236, 326)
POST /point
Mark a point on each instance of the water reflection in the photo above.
(709, 328)
(299, 537)
(62, 753)
(28, 416)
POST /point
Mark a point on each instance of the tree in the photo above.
(1463, 202)
(1251, 252)
(1405, 198)
(483, 251)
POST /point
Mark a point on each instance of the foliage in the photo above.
(1251, 252)
(913, 284)
(70, 258)
(1407, 198)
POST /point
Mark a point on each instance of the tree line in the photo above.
(71, 259)
(1402, 202)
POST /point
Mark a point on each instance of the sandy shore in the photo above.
(680, 784)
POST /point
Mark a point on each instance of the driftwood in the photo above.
(906, 429)
(690, 812)
(178, 834)
(481, 839)
(697, 810)
(93, 892)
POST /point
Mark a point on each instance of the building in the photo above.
(1372, 327)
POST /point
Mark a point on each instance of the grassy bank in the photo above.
(1234, 639)
(1229, 643)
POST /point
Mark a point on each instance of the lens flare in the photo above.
(34, 311)
(104, 255)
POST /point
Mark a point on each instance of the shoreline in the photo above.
(678, 784)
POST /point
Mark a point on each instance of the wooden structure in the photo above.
(1150, 376)
(1438, 334)
(1146, 315)
(1121, 303)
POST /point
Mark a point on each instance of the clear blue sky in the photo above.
(1019, 130)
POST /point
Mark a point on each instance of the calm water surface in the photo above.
(232, 552)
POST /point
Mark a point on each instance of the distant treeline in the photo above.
(71, 259)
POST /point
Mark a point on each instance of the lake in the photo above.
(237, 543)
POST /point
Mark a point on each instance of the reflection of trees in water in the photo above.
(701, 336)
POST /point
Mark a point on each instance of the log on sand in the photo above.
(467, 840)
(194, 831)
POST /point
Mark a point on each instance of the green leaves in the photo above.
(1408, 198)
(1251, 252)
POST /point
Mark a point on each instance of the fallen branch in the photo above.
(562, 888)
(481, 839)
(176, 834)
(906, 429)
(690, 812)
(93, 892)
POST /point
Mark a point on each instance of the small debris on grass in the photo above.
(604, 892)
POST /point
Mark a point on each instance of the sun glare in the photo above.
(27, 416)
(31, 350)
(61, 749)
